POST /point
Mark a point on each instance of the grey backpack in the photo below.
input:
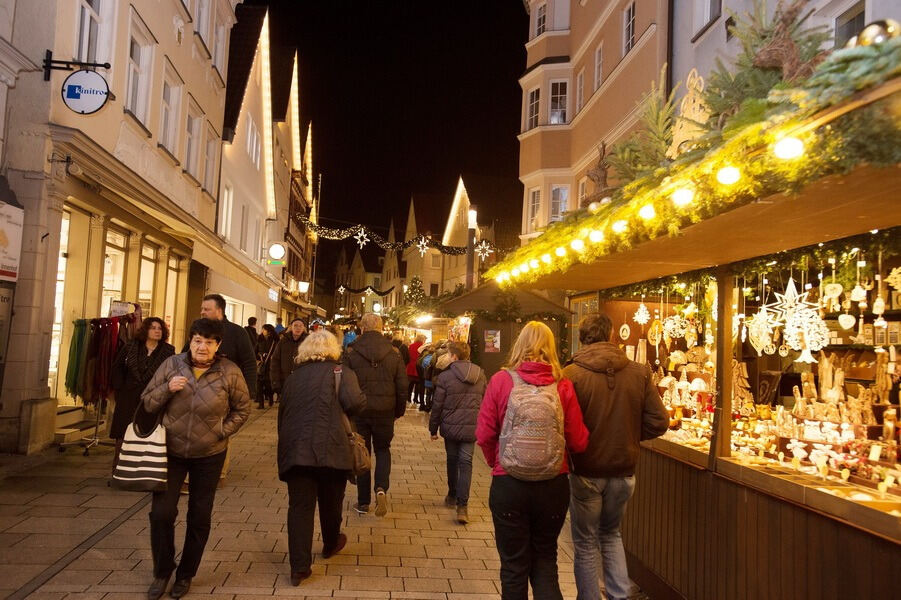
(531, 441)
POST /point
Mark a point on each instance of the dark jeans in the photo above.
(459, 469)
(378, 432)
(419, 398)
(306, 487)
(528, 517)
(412, 393)
(204, 476)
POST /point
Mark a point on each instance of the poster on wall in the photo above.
(492, 340)
(11, 219)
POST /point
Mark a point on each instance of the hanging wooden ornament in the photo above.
(655, 332)
(894, 278)
(846, 321)
(642, 315)
(783, 350)
(625, 331)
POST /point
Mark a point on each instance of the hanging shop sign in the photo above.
(85, 92)
(11, 219)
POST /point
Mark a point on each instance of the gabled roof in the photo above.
(484, 298)
(370, 255)
(430, 211)
(495, 198)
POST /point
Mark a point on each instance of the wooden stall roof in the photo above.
(832, 208)
(483, 298)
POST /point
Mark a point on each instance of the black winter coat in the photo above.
(382, 374)
(131, 371)
(458, 396)
(310, 428)
(281, 363)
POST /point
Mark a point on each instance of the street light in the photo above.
(376, 307)
(277, 251)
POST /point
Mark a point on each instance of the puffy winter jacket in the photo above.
(200, 417)
(458, 396)
(310, 429)
(381, 373)
(620, 405)
(281, 363)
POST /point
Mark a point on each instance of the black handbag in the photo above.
(359, 453)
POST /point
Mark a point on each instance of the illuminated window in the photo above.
(534, 208)
(558, 103)
(541, 20)
(559, 201)
(532, 111)
(628, 28)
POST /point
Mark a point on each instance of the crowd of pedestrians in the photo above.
(559, 439)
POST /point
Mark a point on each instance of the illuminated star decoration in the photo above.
(362, 238)
(483, 249)
(804, 329)
(642, 315)
(369, 291)
(422, 245)
(894, 278)
(341, 289)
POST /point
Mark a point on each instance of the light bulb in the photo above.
(683, 196)
(619, 226)
(647, 212)
(593, 207)
(788, 148)
(533, 263)
(524, 267)
(560, 251)
(728, 175)
(546, 258)
(577, 244)
(596, 236)
(515, 272)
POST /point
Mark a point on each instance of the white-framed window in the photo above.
(170, 106)
(705, 12)
(598, 66)
(580, 90)
(532, 109)
(557, 114)
(540, 19)
(226, 206)
(219, 39)
(193, 140)
(583, 190)
(559, 201)
(849, 23)
(628, 28)
(242, 233)
(140, 67)
(209, 164)
(253, 142)
(534, 208)
(88, 30)
(202, 19)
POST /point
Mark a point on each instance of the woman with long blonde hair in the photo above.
(526, 450)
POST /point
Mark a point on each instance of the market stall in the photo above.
(779, 477)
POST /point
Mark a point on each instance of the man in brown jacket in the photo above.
(621, 407)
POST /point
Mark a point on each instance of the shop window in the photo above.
(558, 102)
(147, 277)
(598, 66)
(559, 201)
(56, 334)
(209, 167)
(534, 208)
(140, 67)
(580, 90)
(113, 269)
(532, 110)
(193, 140)
(849, 23)
(628, 28)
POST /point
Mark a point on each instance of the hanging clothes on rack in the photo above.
(74, 371)
(92, 352)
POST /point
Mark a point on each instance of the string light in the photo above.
(788, 148)
(577, 244)
(683, 196)
(533, 263)
(515, 272)
(546, 258)
(594, 207)
(596, 236)
(560, 251)
(524, 267)
(619, 226)
(728, 175)
(647, 212)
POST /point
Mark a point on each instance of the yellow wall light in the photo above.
(619, 226)
(560, 251)
(546, 258)
(596, 236)
(683, 196)
(788, 148)
(728, 175)
(577, 244)
(647, 212)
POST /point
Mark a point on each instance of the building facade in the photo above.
(119, 204)
(588, 65)
(359, 269)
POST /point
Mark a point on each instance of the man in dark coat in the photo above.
(621, 407)
(383, 379)
(235, 344)
(458, 396)
(252, 332)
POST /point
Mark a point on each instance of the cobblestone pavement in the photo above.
(65, 535)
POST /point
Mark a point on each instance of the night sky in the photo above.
(404, 97)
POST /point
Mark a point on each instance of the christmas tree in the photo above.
(415, 295)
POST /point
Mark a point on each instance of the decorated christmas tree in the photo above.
(415, 295)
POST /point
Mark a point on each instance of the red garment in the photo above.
(494, 408)
(414, 356)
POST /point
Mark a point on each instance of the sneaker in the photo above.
(361, 508)
(450, 501)
(339, 545)
(381, 503)
(462, 515)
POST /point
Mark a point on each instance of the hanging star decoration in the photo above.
(341, 290)
(484, 250)
(675, 326)
(804, 330)
(369, 291)
(361, 237)
(422, 245)
(894, 278)
(760, 329)
(642, 315)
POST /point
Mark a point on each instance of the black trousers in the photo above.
(378, 433)
(306, 487)
(204, 476)
(528, 517)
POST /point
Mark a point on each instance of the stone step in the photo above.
(76, 431)
(67, 415)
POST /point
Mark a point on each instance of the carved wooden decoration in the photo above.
(692, 112)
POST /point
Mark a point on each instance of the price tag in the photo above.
(875, 452)
(796, 463)
(845, 474)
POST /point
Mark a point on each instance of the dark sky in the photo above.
(404, 96)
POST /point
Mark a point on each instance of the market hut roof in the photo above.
(484, 298)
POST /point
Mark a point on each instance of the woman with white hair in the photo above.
(314, 456)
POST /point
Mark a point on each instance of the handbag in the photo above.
(360, 460)
(142, 465)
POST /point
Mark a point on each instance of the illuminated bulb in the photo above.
(619, 226)
(504, 276)
(577, 244)
(593, 207)
(606, 200)
(647, 212)
(533, 263)
(596, 236)
(683, 196)
(499, 278)
(788, 148)
(546, 258)
(728, 175)
(524, 267)
(561, 251)
(515, 272)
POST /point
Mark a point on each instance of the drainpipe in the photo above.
(670, 27)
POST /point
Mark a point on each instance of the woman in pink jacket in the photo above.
(529, 505)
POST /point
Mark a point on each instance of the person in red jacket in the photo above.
(528, 515)
(412, 375)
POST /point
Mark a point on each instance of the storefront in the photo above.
(775, 346)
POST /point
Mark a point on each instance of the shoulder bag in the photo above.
(359, 453)
(142, 465)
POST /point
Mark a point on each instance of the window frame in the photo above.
(628, 28)
(193, 139)
(534, 208)
(203, 11)
(582, 192)
(245, 221)
(540, 19)
(703, 14)
(171, 109)
(533, 108)
(580, 90)
(598, 66)
(551, 96)
(96, 17)
(433, 260)
(139, 73)
(845, 19)
(226, 206)
(557, 215)
(210, 159)
(220, 55)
